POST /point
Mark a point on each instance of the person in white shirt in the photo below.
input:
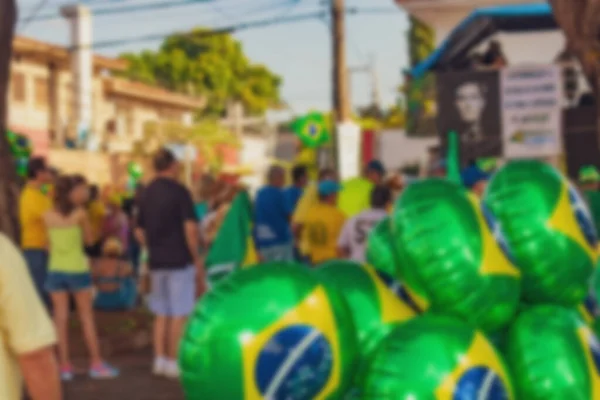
(353, 239)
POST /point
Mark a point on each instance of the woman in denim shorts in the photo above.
(69, 273)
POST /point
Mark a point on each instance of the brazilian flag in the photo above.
(312, 130)
(233, 247)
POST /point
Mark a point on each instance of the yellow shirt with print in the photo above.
(32, 207)
(322, 228)
(25, 326)
(309, 198)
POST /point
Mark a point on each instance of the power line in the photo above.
(236, 27)
(100, 12)
(33, 14)
(212, 32)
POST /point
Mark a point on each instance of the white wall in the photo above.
(396, 150)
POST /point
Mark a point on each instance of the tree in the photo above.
(204, 63)
(580, 22)
(420, 93)
(9, 182)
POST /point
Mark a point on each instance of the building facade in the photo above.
(43, 106)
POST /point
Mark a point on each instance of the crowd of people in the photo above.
(86, 249)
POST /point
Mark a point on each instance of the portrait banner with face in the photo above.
(531, 111)
(469, 103)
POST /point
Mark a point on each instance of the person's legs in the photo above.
(81, 286)
(37, 262)
(182, 298)
(158, 303)
(60, 303)
(83, 300)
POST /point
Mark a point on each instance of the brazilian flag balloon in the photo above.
(549, 230)
(452, 255)
(269, 332)
(436, 358)
(375, 306)
(553, 355)
(380, 248)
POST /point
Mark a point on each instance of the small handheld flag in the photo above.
(453, 162)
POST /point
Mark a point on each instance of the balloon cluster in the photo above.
(20, 148)
(464, 299)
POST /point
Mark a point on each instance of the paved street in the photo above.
(135, 383)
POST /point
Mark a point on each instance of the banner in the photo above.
(469, 104)
(349, 146)
(531, 111)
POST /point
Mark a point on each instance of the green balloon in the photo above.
(553, 355)
(269, 331)
(135, 171)
(549, 230)
(376, 308)
(380, 248)
(452, 256)
(436, 357)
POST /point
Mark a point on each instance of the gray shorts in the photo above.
(278, 253)
(173, 292)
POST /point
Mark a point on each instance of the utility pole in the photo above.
(341, 105)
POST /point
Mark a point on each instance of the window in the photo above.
(18, 87)
(41, 92)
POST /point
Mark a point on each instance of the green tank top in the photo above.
(66, 250)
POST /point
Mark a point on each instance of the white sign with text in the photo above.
(531, 111)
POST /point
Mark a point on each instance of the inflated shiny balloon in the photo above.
(269, 332)
(380, 248)
(548, 228)
(436, 358)
(375, 306)
(452, 255)
(553, 355)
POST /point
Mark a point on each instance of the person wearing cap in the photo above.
(323, 224)
(474, 179)
(589, 183)
(353, 239)
(33, 204)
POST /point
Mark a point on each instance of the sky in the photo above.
(299, 52)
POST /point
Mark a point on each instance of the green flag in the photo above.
(312, 129)
(233, 247)
(452, 159)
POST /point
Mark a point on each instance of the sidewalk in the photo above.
(135, 383)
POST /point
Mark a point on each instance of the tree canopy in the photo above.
(208, 64)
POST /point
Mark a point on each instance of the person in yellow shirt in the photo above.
(309, 198)
(323, 224)
(33, 204)
(27, 336)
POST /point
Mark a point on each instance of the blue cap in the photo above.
(328, 187)
(471, 175)
(377, 166)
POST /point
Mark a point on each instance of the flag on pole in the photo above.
(453, 160)
(312, 129)
(233, 247)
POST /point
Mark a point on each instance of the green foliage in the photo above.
(420, 93)
(375, 118)
(421, 41)
(214, 66)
